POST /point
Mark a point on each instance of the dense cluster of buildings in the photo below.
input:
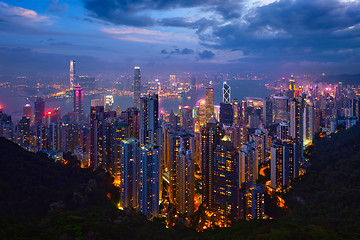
(157, 157)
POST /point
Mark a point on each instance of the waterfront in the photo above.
(239, 89)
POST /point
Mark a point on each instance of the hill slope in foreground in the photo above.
(41, 199)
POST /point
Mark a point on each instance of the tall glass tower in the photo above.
(137, 87)
(78, 103)
(226, 93)
(209, 103)
(72, 74)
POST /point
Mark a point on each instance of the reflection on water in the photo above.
(13, 103)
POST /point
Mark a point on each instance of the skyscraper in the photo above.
(109, 102)
(96, 134)
(226, 93)
(226, 180)
(186, 118)
(72, 75)
(297, 129)
(211, 136)
(129, 160)
(209, 103)
(137, 87)
(249, 165)
(148, 180)
(282, 163)
(149, 119)
(185, 181)
(27, 111)
(226, 113)
(132, 118)
(253, 202)
(24, 132)
(267, 112)
(180, 163)
(280, 109)
(39, 110)
(78, 104)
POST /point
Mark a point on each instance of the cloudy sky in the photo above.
(186, 35)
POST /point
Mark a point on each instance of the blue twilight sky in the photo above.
(303, 36)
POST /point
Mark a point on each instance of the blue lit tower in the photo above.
(137, 87)
(226, 93)
(129, 158)
(148, 180)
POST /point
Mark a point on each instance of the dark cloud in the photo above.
(185, 51)
(200, 25)
(56, 7)
(297, 29)
(206, 54)
(300, 29)
(131, 13)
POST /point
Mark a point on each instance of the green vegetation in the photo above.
(41, 199)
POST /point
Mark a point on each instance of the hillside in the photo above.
(329, 194)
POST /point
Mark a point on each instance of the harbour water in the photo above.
(13, 103)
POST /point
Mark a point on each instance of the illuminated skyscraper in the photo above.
(292, 83)
(249, 165)
(282, 163)
(267, 112)
(180, 164)
(209, 101)
(129, 160)
(78, 104)
(226, 93)
(56, 116)
(297, 129)
(253, 202)
(132, 118)
(72, 75)
(173, 82)
(149, 119)
(109, 102)
(185, 181)
(148, 181)
(54, 136)
(24, 132)
(211, 136)
(236, 110)
(283, 131)
(39, 110)
(137, 87)
(309, 122)
(280, 109)
(97, 129)
(226, 180)
(186, 118)
(27, 111)
(41, 137)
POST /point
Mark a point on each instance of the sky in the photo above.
(267, 36)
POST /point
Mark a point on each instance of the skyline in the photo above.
(266, 36)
